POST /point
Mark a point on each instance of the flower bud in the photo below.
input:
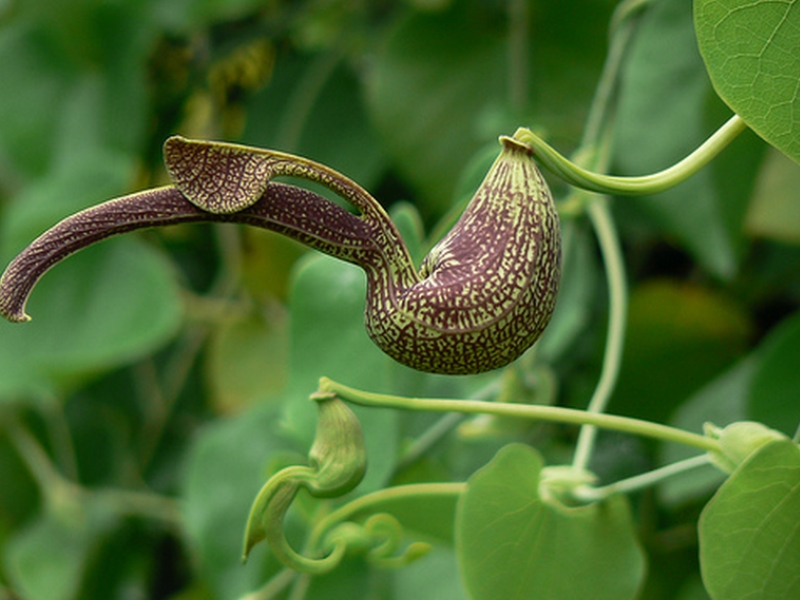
(738, 441)
(338, 455)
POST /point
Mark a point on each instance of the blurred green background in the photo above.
(166, 374)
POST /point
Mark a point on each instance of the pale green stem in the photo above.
(523, 411)
(432, 436)
(617, 317)
(303, 98)
(49, 480)
(647, 184)
(275, 586)
(160, 397)
(361, 504)
(54, 486)
(639, 482)
(60, 437)
(622, 29)
(300, 587)
(142, 504)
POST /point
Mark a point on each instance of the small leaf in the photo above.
(774, 210)
(749, 539)
(513, 545)
(409, 223)
(752, 52)
(247, 358)
(772, 398)
(47, 560)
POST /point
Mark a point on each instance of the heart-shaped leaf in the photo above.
(513, 544)
(749, 538)
(752, 52)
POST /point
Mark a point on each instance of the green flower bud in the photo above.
(337, 463)
(738, 441)
(338, 455)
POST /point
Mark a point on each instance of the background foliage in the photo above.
(166, 375)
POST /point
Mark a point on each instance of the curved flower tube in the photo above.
(483, 295)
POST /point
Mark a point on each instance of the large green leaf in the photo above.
(103, 307)
(48, 559)
(515, 545)
(752, 52)
(749, 539)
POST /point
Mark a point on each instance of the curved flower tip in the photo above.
(12, 307)
(293, 211)
(144, 209)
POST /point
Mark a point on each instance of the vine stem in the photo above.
(596, 137)
(522, 411)
(276, 585)
(622, 28)
(550, 158)
(617, 319)
(638, 482)
(56, 488)
(413, 490)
